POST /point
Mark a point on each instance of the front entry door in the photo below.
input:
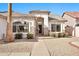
(40, 29)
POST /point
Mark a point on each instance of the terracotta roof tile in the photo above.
(73, 14)
(1, 16)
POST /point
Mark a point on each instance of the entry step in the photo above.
(45, 37)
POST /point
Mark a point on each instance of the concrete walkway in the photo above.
(40, 49)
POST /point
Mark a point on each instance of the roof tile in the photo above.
(73, 14)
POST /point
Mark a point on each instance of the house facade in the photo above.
(73, 22)
(39, 23)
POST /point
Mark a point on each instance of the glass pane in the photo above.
(14, 28)
(58, 28)
(26, 27)
(21, 28)
(53, 27)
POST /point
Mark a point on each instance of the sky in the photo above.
(54, 8)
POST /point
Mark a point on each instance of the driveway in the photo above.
(17, 48)
(42, 47)
(61, 47)
(56, 47)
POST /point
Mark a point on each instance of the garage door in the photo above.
(2, 28)
(77, 31)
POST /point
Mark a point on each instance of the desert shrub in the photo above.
(18, 36)
(29, 36)
(56, 35)
(61, 34)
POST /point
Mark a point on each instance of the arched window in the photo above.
(18, 22)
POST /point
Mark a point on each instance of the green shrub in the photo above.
(29, 36)
(18, 36)
(61, 34)
(54, 35)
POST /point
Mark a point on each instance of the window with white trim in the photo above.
(55, 27)
(19, 27)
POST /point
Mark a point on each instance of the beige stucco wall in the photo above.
(70, 21)
(45, 16)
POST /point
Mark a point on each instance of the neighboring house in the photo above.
(73, 22)
(36, 22)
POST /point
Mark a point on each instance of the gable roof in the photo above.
(56, 18)
(73, 14)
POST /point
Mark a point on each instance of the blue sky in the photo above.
(56, 8)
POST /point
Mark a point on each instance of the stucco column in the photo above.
(74, 32)
(61, 27)
(46, 26)
(9, 32)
